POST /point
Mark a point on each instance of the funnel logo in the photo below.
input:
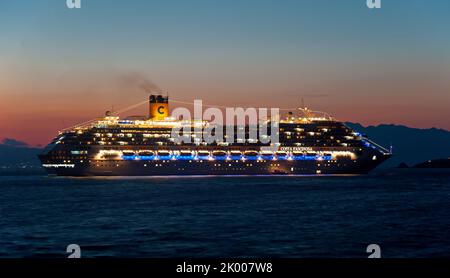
(161, 110)
(374, 4)
(73, 4)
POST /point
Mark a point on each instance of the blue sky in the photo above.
(188, 27)
(394, 60)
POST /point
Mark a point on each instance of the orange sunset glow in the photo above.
(52, 78)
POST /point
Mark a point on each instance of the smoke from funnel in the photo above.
(141, 82)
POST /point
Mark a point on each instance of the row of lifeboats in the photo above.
(219, 153)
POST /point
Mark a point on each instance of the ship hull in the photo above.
(217, 167)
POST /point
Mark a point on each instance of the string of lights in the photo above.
(125, 109)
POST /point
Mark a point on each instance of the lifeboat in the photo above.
(163, 153)
(219, 153)
(281, 153)
(185, 153)
(109, 156)
(146, 153)
(236, 153)
(127, 153)
(251, 153)
(202, 153)
(297, 154)
(266, 153)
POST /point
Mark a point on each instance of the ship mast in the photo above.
(306, 112)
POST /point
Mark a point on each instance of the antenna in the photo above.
(306, 112)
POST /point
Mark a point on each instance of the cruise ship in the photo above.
(308, 144)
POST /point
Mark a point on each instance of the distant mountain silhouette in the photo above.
(437, 163)
(17, 155)
(410, 145)
(13, 143)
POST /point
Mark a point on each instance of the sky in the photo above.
(61, 66)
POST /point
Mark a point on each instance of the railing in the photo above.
(381, 148)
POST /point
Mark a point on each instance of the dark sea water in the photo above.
(406, 212)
